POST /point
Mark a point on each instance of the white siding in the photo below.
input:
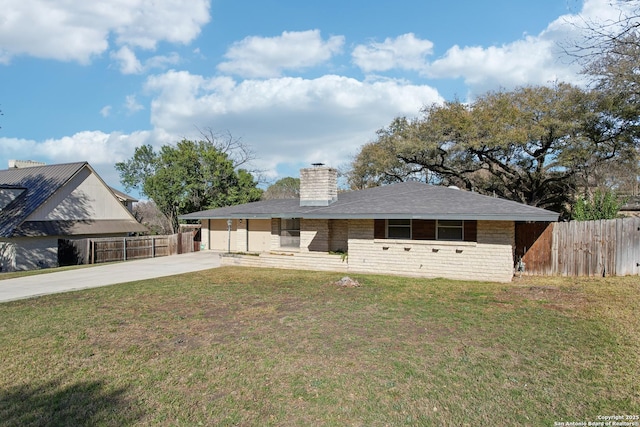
(205, 233)
(259, 235)
(241, 236)
(219, 236)
(29, 253)
(257, 239)
(7, 256)
(83, 197)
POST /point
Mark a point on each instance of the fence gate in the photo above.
(580, 248)
(533, 247)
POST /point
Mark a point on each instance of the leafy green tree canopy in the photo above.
(189, 176)
(601, 205)
(534, 145)
(285, 188)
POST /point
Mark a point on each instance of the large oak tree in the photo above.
(534, 145)
(610, 55)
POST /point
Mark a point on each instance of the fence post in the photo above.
(153, 247)
(124, 249)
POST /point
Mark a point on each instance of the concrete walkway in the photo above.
(103, 275)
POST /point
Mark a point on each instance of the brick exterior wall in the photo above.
(314, 235)
(490, 258)
(339, 235)
(318, 186)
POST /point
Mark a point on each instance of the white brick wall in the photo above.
(298, 261)
(432, 259)
(318, 186)
(488, 259)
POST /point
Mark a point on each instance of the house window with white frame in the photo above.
(399, 229)
(450, 230)
(290, 232)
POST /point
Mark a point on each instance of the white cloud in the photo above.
(528, 61)
(269, 56)
(78, 30)
(161, 61)
(105, 111)
(96, 147)
(101, 150)
(285, 120)
(404, 52)
(534, 60)
(129, 63)
(132, 105)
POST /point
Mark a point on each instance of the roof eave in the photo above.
(468, 217)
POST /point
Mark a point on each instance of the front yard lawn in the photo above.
(239, 346)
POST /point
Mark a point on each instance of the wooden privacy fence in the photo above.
(581, 248)
(110, 249)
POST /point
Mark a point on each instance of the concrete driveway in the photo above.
(103, 275)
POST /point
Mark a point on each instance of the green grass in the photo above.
(235, 346)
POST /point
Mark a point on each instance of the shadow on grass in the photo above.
(78, 404)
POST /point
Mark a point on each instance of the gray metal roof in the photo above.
(403, 200)
(123, 196)
(40, 182)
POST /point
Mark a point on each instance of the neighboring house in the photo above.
(407, 228)
(126, 200)
(40, 205)
(631, 207)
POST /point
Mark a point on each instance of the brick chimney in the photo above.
(318, 185)
(13, 164)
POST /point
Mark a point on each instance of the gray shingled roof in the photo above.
(40, 183)
(403, 200)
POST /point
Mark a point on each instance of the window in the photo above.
(290, 232)
(399, 229)
(426, 229)
(449, 230)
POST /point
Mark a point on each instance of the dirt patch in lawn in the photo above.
(565, 299)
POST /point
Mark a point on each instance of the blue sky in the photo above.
(299, 82)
